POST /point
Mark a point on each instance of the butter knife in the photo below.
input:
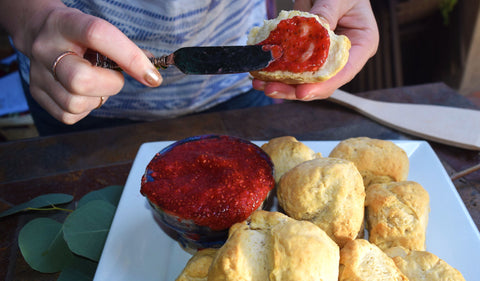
(204, 60)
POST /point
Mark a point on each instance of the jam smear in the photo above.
(304, 43)
(215, 182)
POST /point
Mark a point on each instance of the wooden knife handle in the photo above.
(97, 59)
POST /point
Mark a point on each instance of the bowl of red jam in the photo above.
(200, 186)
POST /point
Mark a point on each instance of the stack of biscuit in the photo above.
(326, 201)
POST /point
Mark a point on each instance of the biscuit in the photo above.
(328, 192)
(377, 160)
(286, 153)
(361, 260)
(397, 215)
(423, 266)
(338, 52)
(197, 266)
(273, 246)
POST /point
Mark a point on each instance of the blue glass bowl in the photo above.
(191, 236)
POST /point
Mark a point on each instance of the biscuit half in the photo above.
(338, 52)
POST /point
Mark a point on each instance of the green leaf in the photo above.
(110, 194)
(85, 230)
(39, 202)
(80, 269)
(42, 245)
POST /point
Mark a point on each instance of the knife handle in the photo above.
(97, 59)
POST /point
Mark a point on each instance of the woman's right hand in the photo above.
(79, 87)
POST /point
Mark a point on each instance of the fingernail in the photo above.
(153, 77)
(276, 95)
(308, 98)
(259, 85)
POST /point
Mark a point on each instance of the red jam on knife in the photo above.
(304, 42)
(215, 181)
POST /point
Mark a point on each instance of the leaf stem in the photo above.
(52, 208)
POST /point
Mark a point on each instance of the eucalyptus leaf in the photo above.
(85, 230)
(110, 194)
(41, 201)
(42, 245)
(80, 269)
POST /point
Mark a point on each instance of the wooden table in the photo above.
(81, 162)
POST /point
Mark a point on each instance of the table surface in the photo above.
(81, 162)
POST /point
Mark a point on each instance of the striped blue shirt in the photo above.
(163, 26)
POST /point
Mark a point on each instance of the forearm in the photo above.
(23, 18)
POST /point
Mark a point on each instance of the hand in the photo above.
(80, 87)
(352, 18)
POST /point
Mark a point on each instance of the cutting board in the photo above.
(448, 125)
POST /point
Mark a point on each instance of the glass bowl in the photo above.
(199, 186)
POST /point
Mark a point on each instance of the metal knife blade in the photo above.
(204, 60)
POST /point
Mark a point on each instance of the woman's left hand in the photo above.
(353, 19)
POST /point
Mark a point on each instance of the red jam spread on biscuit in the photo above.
(213, 181)
(304, 42)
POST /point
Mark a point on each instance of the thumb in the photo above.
(329, 10)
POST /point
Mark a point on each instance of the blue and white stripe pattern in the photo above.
(161, 27)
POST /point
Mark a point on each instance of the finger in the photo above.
(46, 102)
(315, 91)
(331, 10)
(42, 81)
(79, 77)
(302, 5)
(258, 84)
(355, 19)
(325, 89)
(105, 38)
(279, 90)
(364, 39)
(305, 92)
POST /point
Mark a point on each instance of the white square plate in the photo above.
(137, 249)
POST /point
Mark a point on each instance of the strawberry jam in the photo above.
(304, 42)
(215, 181)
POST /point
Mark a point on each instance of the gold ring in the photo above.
(102, 100)
(57, 60)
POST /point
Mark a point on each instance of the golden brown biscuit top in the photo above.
(377, 160)
(327, 191)
(198, 265)
(287, 152)
(398, 214)
(271, 246)
(423, 265)
(361, 260)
